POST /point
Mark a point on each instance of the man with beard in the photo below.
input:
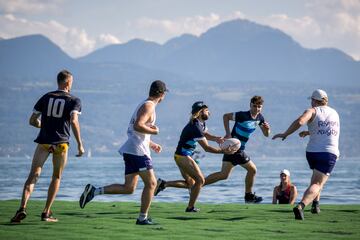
(194, 132)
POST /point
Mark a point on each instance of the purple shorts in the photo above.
(321, 161)
(134, 163)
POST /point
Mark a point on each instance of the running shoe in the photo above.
(87, 195)
(192, 209)
(19, 216)
(252, 198)
(160, 186)
(147, 221)
(48, 217)
(298, 212)
(315, 209)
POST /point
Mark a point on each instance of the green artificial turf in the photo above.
(116, 220)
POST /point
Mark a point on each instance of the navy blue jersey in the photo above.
(244, 126)
(56, 108)
(191, 133)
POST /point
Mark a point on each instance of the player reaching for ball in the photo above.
(194, 132)
(245, 124)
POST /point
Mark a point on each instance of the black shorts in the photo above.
(237, 158)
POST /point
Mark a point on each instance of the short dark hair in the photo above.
(157, 87)
(63, 76)
(257, 100)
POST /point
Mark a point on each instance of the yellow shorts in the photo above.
(177, 157)
(56, 149)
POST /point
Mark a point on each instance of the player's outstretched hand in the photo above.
(279, 135)
(304, 134)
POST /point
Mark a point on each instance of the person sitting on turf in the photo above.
(285, 192)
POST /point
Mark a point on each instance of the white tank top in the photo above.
(324, 131)
(137, 143)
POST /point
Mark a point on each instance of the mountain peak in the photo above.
(32, 53)
(140, 42)
(30, 38)
(244, 30)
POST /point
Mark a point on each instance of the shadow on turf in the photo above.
(234, 219)
(98, 213)
(220, 211)
(110, 213)
(341, 233)
(9, 224)
(280, 210)
(186, 218)
(347, 211)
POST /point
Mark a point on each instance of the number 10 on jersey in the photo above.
(56, 107)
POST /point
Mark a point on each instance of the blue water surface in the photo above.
(343, 186)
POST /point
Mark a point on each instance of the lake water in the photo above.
(343, 187)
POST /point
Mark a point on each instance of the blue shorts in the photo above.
(321, 161)
(134, 163)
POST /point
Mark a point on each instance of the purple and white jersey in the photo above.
(324, 131)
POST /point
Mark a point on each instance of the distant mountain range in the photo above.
(238, 50)
(225, 66)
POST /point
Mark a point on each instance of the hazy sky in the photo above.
(81, 26)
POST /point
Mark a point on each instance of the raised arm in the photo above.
(75, 126)
(303, 119)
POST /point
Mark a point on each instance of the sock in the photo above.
(302, 205)
(99, 191)
(142, 216)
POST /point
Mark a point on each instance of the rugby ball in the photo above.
(233, 143)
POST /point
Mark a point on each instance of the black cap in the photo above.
(157, 87)
(197, 106)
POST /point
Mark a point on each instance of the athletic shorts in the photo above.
(321, 161)
(56, 148)
(238, 158)
(134, 163)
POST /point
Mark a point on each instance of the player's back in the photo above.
(56, 108)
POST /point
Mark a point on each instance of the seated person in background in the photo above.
(286, 192)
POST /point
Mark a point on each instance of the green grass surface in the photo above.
(116, 220)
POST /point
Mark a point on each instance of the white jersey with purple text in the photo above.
(324, 131)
